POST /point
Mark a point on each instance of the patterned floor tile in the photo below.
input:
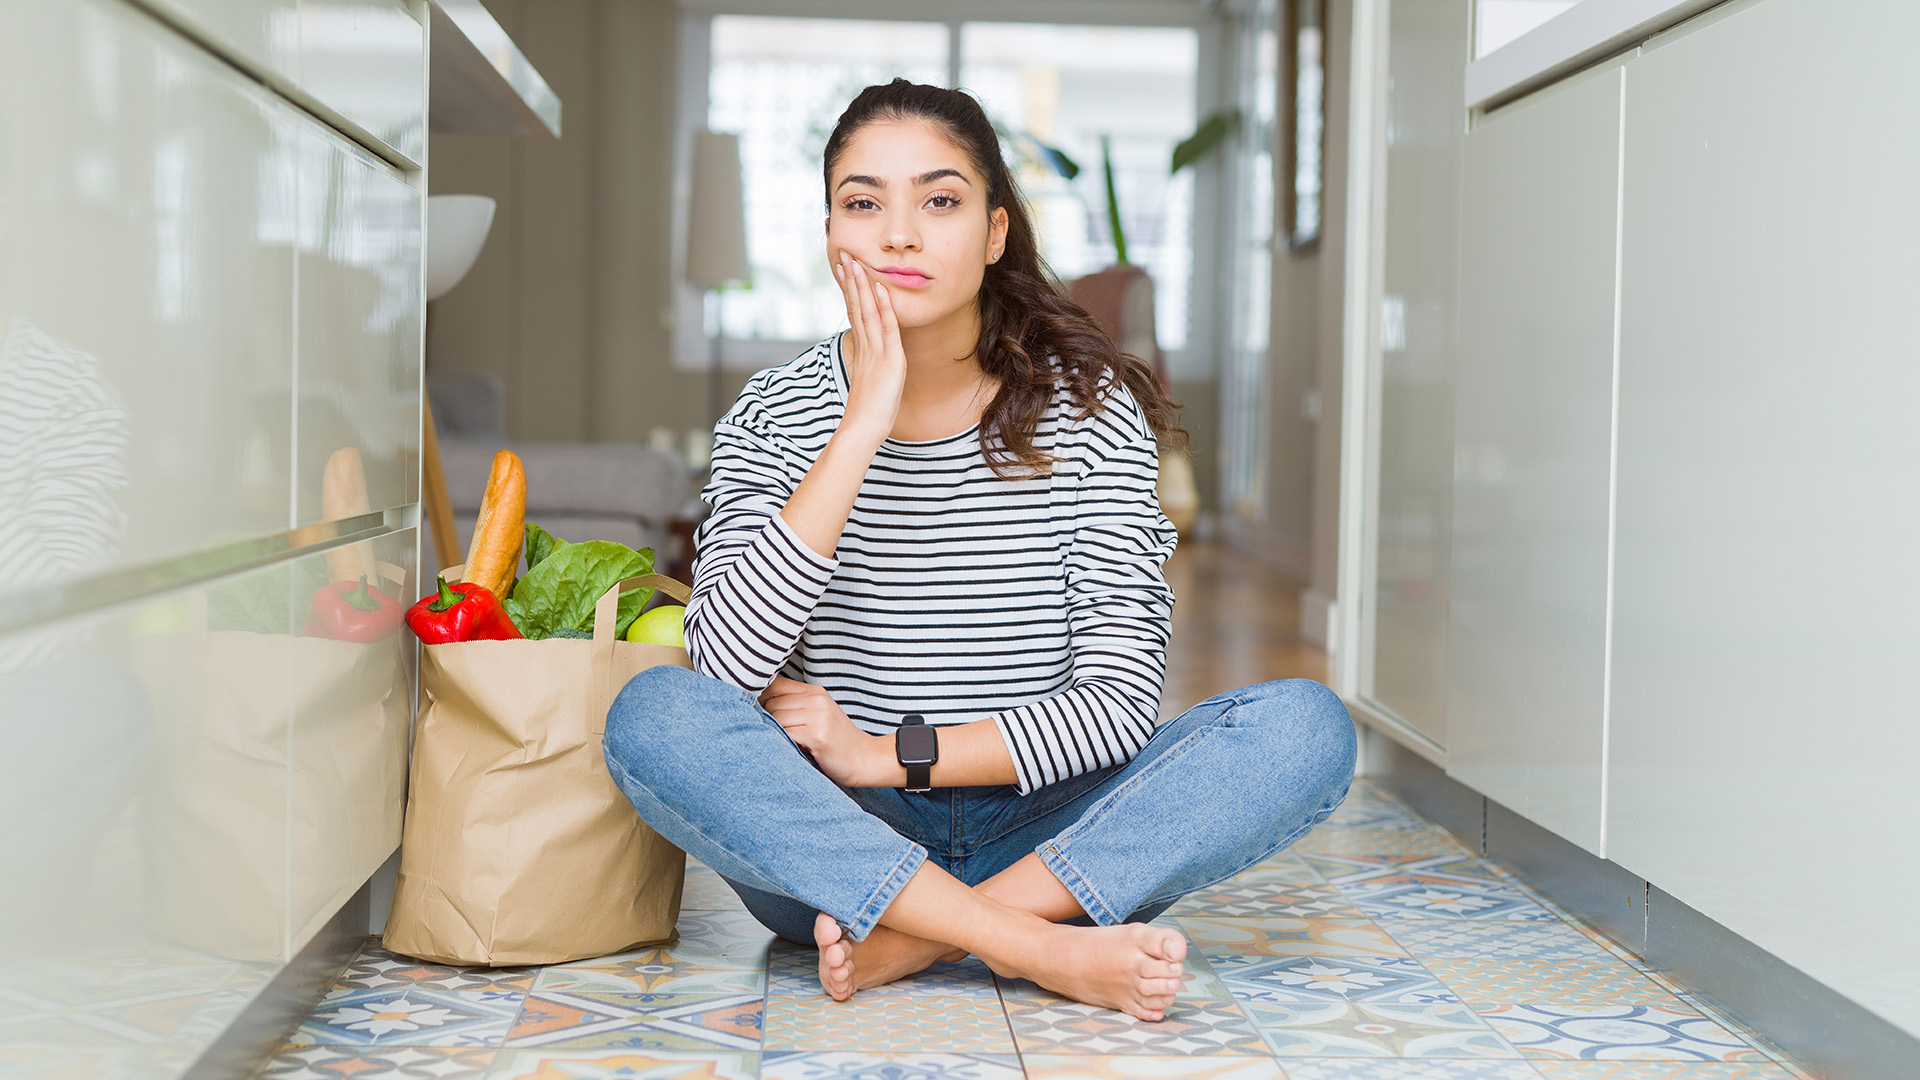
(1343, 869)
(1424, 1069)
(52, 1061)
(378, 969)
(1285, 867)
(1289, 937)
(410, 1017)
(735, 931)
(1191, 1027)
(1376, 1029)
(639, 1021)
(1149, 1067)
(611, 1064)
(1564, 982)
(1492, 940)
(794, 971)
(705, 891)
(1617, 1032)
(1361, 811)
(1439, 899)
(661, 971)
(887, 1025)
(1248, 896)
(120, 1016)
(1385, 839)
(1313, 978)
(804, 1065)
(1660, 1070)
(379, 1063)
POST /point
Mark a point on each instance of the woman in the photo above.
(948, 513)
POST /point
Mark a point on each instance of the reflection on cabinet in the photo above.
(1533, 439)
(1764, 739)
(206, 296)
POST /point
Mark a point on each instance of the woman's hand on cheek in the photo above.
(876, 362)
(814, 721)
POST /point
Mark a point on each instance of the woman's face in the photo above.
(907, 202)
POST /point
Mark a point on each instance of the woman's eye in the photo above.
(861, 204)
(942, 202)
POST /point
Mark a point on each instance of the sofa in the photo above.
(625, 492)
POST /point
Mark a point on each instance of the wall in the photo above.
(568, 300)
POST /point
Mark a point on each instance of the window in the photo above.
(1069, 86)
(780, 82)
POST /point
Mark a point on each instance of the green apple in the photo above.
(664, 625)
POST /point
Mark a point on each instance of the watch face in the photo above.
(916, 744)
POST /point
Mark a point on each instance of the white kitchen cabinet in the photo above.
(1764, 738)
(1406, 672)
(358, 384)
(146, 229)
(363, 60)
(1532, 446)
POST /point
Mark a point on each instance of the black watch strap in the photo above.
(917, 748)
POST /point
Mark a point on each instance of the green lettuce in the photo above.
(564, 581)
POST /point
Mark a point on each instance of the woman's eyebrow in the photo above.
(922, 180)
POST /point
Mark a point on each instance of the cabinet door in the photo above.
(1427, 56)
(143, 824)
(351, 711)
(1764, 702)
(146, 297)
(359, 330)
(364, 60)
(1532, 446)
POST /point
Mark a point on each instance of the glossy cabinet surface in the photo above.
(1533, 439)
(359, 299)
(1427, 52)
(1764, 706)
(146, 260)
(362, 59)
(206, 297)
(367, 61)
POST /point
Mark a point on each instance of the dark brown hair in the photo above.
(1025, 320)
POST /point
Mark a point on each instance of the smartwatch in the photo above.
(917, 748)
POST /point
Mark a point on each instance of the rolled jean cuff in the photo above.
(868, 916)
(1089, 898)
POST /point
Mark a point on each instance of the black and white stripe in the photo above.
(953, 593)
(63, 454)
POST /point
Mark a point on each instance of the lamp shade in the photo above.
(717, 218)
(456, 227)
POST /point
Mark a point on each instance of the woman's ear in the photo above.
(996, 233)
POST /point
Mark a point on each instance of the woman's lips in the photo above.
(905, 276)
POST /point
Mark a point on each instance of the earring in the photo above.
(995, 257)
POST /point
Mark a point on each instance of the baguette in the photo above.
(495, 552)
(343, 494)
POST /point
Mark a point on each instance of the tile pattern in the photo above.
(1375, 949)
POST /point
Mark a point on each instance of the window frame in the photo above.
(689, 322)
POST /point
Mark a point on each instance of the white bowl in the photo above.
(456, 228)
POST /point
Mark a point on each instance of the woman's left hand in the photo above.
(850, 757)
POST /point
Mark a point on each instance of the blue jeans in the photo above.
(1228, 783)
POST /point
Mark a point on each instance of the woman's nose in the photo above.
(901, 236)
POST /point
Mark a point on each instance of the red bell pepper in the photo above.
(461, 612)
(345, 611)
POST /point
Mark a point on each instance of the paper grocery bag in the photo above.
(518, 847)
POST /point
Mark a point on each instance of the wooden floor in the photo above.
(1236, 621)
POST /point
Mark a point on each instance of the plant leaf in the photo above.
(1211, 133)
(560, 592)
(1113, 204)
(540, 544)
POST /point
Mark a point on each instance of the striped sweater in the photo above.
(953, 593)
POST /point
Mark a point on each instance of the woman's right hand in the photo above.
(876, 364)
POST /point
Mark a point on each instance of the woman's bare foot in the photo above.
(847, 965)
(1134, 968)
